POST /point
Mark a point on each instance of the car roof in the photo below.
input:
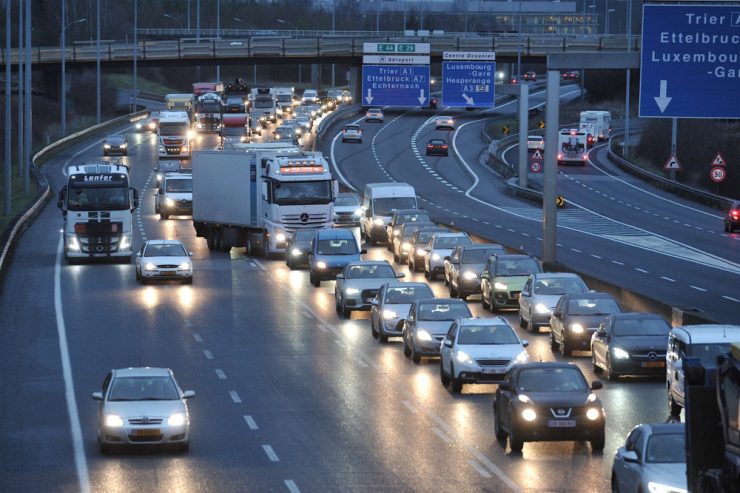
(546, 364)
(163, 242)
(169, 176)
(588, 295)
(145, 371)
(481, 246)
(449, 233)
(395, 284)
(449, 301)
(374, 109)
(512, 256)
(484, 321)
(708, 333)
(348, 194)
(636, 315)
(437, 139)
(657, 428)
(370, 262)
(116, 137)
(555, 275)
(400, 212)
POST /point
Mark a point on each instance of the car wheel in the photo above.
(315, 282)
(396, 258)
(522, 323)
(596, 368)
(553, 342)
(597, 444)
(346, 312)
(453, 291)
(188, 280)
(727, 228)
(156, 208)
(615, 484)
(501, 435)
(415, 356)
(184, 448)
(164, 215)
(138, 275)
(455, 383)
(443, 377)
(375, 333)
(382, 338)
(289, 263)
(145, 280)
(337, 305)
(427, 275)
(515, 443)
(483, 301)
(492, 304)
(105, 448)
(610, 373)
(446, 280)
(564, 348)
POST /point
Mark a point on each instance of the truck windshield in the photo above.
(386, 206)
(264, 103)
(302, 192)
(173, 128)
(284, 98)
(97, 199)
(208, 107)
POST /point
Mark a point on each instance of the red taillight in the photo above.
(444, 146)
(429, 146)
(736, 214)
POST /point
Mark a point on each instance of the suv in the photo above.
(330, 252)
(464, 267)
(352, 132)
(732, 219)
(401, 217)
(439, 247)
(705, 342)
(175, 195)
(347, 209)
(576, 318)
(504, 277)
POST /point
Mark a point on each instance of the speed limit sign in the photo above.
(535, 166)
(718, 174)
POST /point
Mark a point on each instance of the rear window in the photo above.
(437, 142)
(480, 256)
(451, 241)
(517, 267)
(412, 218)
(564, 285)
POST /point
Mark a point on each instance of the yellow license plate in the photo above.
(149, 432)
(653, 364)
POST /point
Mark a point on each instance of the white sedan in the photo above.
(444, 122)
(164, 259)
(142, 407)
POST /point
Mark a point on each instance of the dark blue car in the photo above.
(331, 250)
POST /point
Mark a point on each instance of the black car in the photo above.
(575, 319)
(296, 248)
(401, 217)
(547, 402)
(433, 103)
(630, 344)
(235, 104)
(732, 219)
(115, 144)
(465, 267)
(402, 241)
(437, 147)
(327, 103)
(416, 248)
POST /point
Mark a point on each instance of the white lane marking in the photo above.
(207, 354)
(270, 453)
(250, 422)
(235, 397)
(441, 434)
(220, 374)
(361, 363)
(642, 270)
(69, 388)
(617, 262)
(668, 279)
(479, 469)
(595, 256)
(197, 337)
(409, 406)
(698, 288)
(572, 249)
(340, 343)
(730, 298)
(290, 484)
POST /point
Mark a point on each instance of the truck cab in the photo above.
(174, 135)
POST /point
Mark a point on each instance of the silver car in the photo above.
(427, 324)
(164, 259)
(347, 210)
(653, 458)
(391, 306)
(358, 284)
(142, 407)
(352, 133)
(542, 292)
(439, 247)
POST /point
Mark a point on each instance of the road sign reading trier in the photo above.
(395, 85)
(690, 64)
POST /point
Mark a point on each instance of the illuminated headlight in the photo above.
(420, 251)
(500, 286)
(184, 266)
(124, 145)
(125, 242)
(313, 113)
(541, 308)
(277, 137)
(169, 203)
(298, 131)
(177, 419)
(262, 118)
(620, 353)
(199, 125)
(469, 275)
(138, 126)
(406, 246)
(436, 257)
(591, 397)
(162, 150)
(593, 414)
(522, 357)
(280, 237)
(663, 488)
(152, 126)
(529, 414)
(106, 146)
(295, 252)
(525, 399)
(190, 134)
(113, 421)
(576, 328)
(462, 357)
(184, 148)
(159, 177)
(378, 221)
(73, 243)
(150, 266)
(321, 264)
(352, 291)
(396, 232)
(242, 139)
(423, 335)
(357, 213)
(389, 314)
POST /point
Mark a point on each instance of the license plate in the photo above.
(493, 371)
(561, 423)
(653, 364)
(148, 432)
(168, 273)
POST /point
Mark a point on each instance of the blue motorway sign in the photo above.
(395, 85)
(468, 83)
(690, 65)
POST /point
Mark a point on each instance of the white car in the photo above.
(440, 247)
(374, 115)
(653, 459)
(352, 133)
(164, 259)
(444, 122)
(535, 143)
(479, 350)
(142, 407)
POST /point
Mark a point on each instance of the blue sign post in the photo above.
(468, 83)
(690, 66)
(395, 85)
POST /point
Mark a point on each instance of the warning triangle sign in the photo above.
(719, 160)
(672, 163)
(537, 154)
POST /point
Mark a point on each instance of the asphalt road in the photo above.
(289, 396)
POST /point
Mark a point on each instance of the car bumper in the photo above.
(540, 431)
(431, 152)
(540, 319)
(633, 367)
(506, 299)
(436, 267)
(145, 435)
(388, 328)
(427, 348)
(466, 286)
(328, 274)
(580, 341)
(163, 274)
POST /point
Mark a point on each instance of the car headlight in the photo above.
(576, 328)
(242, 139)
(378, 221)
(541, 308)
(522, 357)
(106, 146)
(396, 232)
(389, 314)
(620, 353)
(169, 202)
(420, 251)
(469, 275)
(593, 414)
(113, 421)
(525, 399)
(654, 487)
(436, 257)
(321, 264)
(296, 252)
(423, 335)
(462, 357)
(357, 213)
(528, 414)
(150, 266)
(190, 134)
(280, 237)
(138, 126)
(73, 243)
(406, 246)
(277, 137)
(125, 242)
(591, 397)
(177, 419)
(500, 286)
(159, 177)
(124, 145)
(162, 150)
(352, 291)
(184, 266)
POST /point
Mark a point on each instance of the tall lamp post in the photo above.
(606, 20)
(97, 62)
(249, 26)
(300, 68)
(136, 56)
(218, 35)
(519, 46)
(333, 30)
(63, 47)
(7, 206)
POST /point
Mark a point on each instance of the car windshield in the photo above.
(708, 352)
(180, 185)
(347, 200)
(97, 198)
(443, 311)
(551, 380)
(143, 389)
(447, 242)
(422, 217)
(165, 250)
(173, 128)
(479, 255)
(370, 271)
(641, 327)
(303, 235)
(337, 247)
(563, 285)
(592, 306)
(385, 206)
(165, 166)
(486, 334)
(424, 237)
(115, 139)
(407, 294)
(352, 128)
(410, 228)
(517, 267)
(666, 448)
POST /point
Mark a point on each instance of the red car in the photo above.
(571, 75)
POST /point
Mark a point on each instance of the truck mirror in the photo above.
(136, 198)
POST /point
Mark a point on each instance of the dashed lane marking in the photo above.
(250, 422)
(235, 397)
(270, 453)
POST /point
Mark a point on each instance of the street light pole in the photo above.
(97, 62)
(136, 54)
(63, 49)
(606, 26)
(197, 21)
(333, 30)
(519, 46)
(254, 67)
(218, 35)
(7, 165)
(27, 102)
(21, 127)
(626, 150)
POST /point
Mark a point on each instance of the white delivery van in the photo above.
(379, 203)
(572, 147)
(596, 125)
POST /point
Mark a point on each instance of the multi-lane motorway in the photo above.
(289, 397)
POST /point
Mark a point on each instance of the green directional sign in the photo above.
(387, 48)
(407, 48)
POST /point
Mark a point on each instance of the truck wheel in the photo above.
(455, 383)
(209, 239)
(346, 312)
(597, 444)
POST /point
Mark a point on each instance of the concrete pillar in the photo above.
(355, 83)
(316, 76)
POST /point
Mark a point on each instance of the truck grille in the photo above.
(145, 421)
(100, 237)
(293, 222)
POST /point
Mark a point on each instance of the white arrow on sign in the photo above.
(468, 99)
(663, 100)
(422, 98)
(369, 98)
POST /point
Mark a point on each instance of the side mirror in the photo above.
(484, 275)
(97, 396)
(340, 276)
(525, 342)
(363, 251)
(188, 394)
(400, 275)
(190, 254)
(557, 314)
(374, 302)
(630, 456)
(448, 258)
(447, 343)
(596, 385)
(138, 254)
(368, 213)
(504, 386)
(601, 333)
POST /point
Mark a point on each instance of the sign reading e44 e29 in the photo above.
(690, 61)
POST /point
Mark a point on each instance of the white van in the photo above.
(379, 203)
(310, 96)
(572, 147)
(596, 124)
(705, 342)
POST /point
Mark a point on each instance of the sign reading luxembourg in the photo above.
(395, 85)
(468, 79)
(690, 61)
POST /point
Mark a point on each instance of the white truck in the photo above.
(264, 107)
(208, 112)
(284, 98)
(97, 205)
(174, 134)
(572, 147)
(596, 124)
(256, 195)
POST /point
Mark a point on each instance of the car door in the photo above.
(525, 301)
(445, 351)
(339, 284)
(409, 325)
(556, 321)
(503, 402)
(452, 266)
(623, 470)
(677, 372)
(376, 308)
(600, 342)
(485, 279)
(139, 255)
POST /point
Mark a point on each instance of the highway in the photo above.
(289, 397)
